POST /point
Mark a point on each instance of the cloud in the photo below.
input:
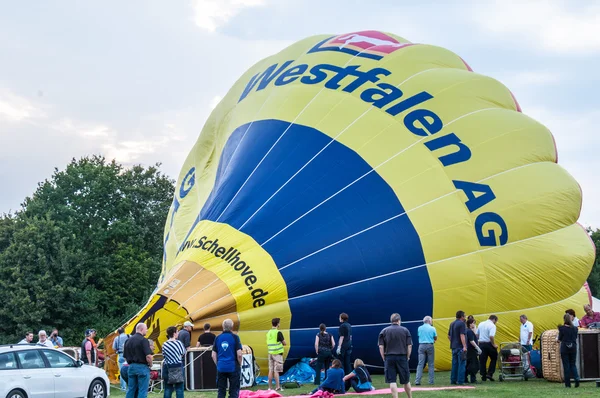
(87, 130)
(211, 14)
(533, 78)
(576, 138)
(556, 26)
(14, 108)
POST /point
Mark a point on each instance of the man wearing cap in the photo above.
(185, 334)
(88, 348)
(119, 346)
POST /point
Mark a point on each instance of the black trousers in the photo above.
(487, 350)
(346, 359)
(568, 360)
(324, 359)
(234, 384)
(472, 366)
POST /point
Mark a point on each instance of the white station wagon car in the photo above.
(29, 371)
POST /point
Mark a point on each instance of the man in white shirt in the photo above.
(526, 333)
(28, 338)
(43, 339)
(487, 333)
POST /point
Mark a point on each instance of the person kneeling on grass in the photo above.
(359, 378)
(334, 382)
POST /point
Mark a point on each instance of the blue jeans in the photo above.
(528, 347)
(170, 388)
(139, 380)
(234, 384)
(177, 388)
(459, 364)
(121, 362)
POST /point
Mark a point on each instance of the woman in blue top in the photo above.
(334, 382)
(359, 378)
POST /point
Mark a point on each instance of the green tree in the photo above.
(594, 278)
(84, 251)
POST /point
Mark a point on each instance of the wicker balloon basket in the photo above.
(550, 353)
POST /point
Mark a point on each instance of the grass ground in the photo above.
(506, 389)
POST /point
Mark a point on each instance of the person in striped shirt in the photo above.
(173, 352)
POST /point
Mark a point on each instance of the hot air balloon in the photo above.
(365, 174)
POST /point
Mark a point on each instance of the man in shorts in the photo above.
(275, 343)
(395, 346)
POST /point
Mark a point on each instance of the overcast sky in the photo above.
(135, 80)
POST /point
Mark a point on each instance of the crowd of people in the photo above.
(473, 347)
(54, 340)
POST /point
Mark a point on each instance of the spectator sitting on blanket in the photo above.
(334, 382)
(359, 378)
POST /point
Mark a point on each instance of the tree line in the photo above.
(84, 251)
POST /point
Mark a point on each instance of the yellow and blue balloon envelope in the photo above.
(364, 174)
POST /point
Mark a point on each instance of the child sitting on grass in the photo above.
(334, 382)
(359, 378)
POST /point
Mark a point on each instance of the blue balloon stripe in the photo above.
(335, 229)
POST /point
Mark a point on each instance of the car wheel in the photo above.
(16, 394)
(97, 389)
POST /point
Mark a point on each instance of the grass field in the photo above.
(506, 389)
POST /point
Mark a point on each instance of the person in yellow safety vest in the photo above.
(275, 343)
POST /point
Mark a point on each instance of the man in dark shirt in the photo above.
(207, 338)
(395, 347)
(185, 334)
(139, 357)
(458, 345)
(344, 349)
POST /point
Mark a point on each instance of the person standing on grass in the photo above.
(138, 354)
(324, 343)
(185, 334)
(457, 334)
(427, 337)
(574, 318)
(567, 337)
(344, 349)
(207, 338)
(227, 355)
(119, 346)
(395, 346)
(489, 348)
(526, 333)
(173, 352)
(275, 343)
(473, 352)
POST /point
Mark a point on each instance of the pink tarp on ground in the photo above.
(400, 391)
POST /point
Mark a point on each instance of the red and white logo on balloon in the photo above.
(366, 44)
